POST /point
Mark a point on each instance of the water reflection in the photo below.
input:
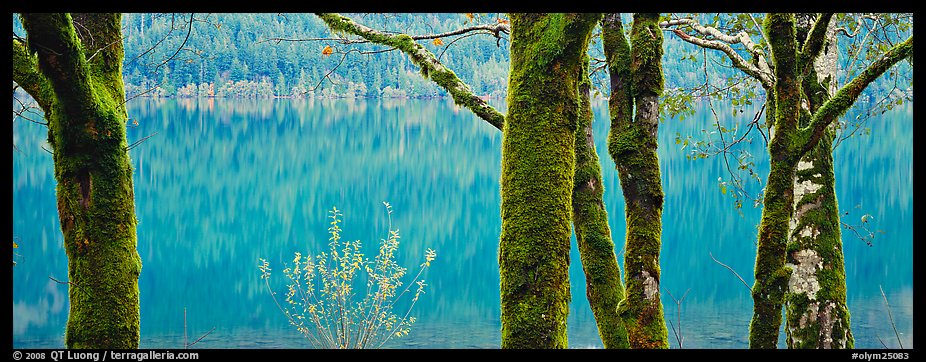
(225, 182)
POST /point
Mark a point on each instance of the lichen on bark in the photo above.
(817, 315)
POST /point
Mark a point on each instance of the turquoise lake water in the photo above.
(225, 182)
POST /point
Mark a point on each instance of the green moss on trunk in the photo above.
(593, 235)
(96, 207)
(632, 145)
(770, 271)
(538, 166)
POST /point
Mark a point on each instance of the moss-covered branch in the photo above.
(781, 32)
(426, 61)
(61, 58)
(617, 54)
(26, 74)
(816, 38)
(846, 96)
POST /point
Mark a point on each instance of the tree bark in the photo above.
(77, 80)
(816, 312)
(636, 79)
(593, 235)
(538, 167)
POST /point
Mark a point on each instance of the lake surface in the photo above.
(225, 182)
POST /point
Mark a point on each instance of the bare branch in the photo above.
(731, 270)
(760, 70)
(890, 315)
(189, 31)
(136, 143)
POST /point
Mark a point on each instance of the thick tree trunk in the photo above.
(636, 78)
(817, 314)
(593, 235)
(86, 121)
(538, 166)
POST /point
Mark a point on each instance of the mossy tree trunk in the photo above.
(817, 315)
(538, 167)
(593, 235)
(76, 78)
(636, 83)
(798, 130)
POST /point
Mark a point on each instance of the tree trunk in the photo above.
(593, 235)
(636, 78)
(538, 166)
(817, 314)
(771, 274)
(86, 126)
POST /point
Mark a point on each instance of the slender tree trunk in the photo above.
(771, 274)
(636, 79)
(538, 167)
(817, 314)
(77, 79)
(593, 235)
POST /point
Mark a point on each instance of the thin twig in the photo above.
(731, 269)
(890, 316)
(136, 143)
(678, 308)
(201, 338)
(189, 31)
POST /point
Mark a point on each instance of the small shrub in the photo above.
(322, 300)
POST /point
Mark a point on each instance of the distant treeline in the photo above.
(241, 55)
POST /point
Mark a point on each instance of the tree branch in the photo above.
(760, 70)
(496, 29)
(430, 66)
(26, 73)
(60, 58)
(846, 96)
(814, 43)
(617, 55)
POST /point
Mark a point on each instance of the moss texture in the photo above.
(86, 121)
(636, 79)
(593, 235)
(538, 167)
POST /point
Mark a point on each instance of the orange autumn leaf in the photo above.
(502, 21)
(438, 42)
(327, 50)
(470, 16)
